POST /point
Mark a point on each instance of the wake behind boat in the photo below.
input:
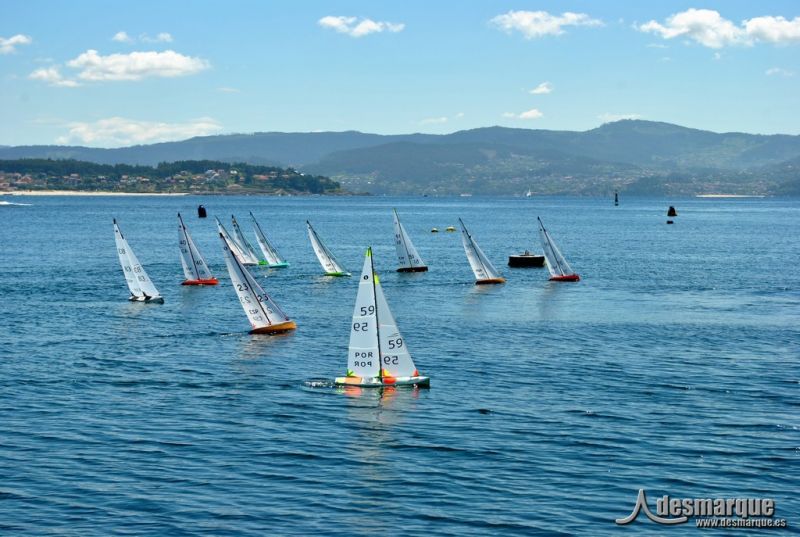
(377, 355)
(325, 256)
(484, 271)
(560, 271)
(194, 265)
(265, 316)
(407, 255)
(141, 286)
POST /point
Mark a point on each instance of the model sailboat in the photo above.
(240, 254)
(407, 255)
(139, 283)
(326, 259)
(273, 258)
(377, 355)
(194, 266)
(265, 316)
(560, 271)
(485, 272)
(244, 245)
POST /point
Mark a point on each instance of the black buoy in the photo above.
(670, 222)
(672, 211)
(201, 211)
(616, 198)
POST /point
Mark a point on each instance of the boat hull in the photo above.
(490, 281)
(383, 382)
(525, 260)
(275, 328)
(413, 269)
(565, 278)
(211, 281)
(338, 274)
(279, 265)
(147, 300)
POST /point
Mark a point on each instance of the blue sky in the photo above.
(110, 74)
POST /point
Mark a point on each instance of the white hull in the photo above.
(382, 382)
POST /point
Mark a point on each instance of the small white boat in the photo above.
(407, 255)
(265, 316)
(195, 268)
(248, 252)
(141, 286)
(484, 271)
(325, 256)
(271, 255)
(237, 251)
(377, 356)
(560, 271)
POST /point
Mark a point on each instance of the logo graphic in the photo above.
(641, 505)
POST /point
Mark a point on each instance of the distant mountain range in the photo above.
(642, 157)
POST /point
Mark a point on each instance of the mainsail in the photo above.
(194, 266)
(237, 251)
(264, 314)
(376, 346)
(269, 251)
(139, 283)
(326, 259)
(481, 266)
(407, 255)
(556, 263)
(248, 252)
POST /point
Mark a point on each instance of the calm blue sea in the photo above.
(673, 366)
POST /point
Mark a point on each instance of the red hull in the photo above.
(565, 278)
(212, 281)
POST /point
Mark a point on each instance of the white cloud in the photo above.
(710, 29)
(542, 89)
(717, 56)
(226, 89)
(533, 113)
(119, 131)
(773, 71)
(608, 117)
(135, 65)
(533, 24)
(53, 77)
(162, 37)
(7, 46)
(122, 37)
(656, 45)
(459, 115)
(433, 120)
(354, 27)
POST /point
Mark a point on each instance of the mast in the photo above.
(377, 321)
(403, 237)
(550, 243)
(191, 255)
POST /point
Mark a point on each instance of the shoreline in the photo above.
(88, 193)
(728, 196)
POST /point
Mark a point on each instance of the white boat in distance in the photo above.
(560, 271)
(407, 255)
(265, 316)
(141, 286)
(325, 256)
(271, 255)
(195, 268)
(484, 271)
(243, 257)
(377, 355)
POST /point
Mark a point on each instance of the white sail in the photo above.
(407, 255)
(261, 310)
(363, 355)
(270, 253)
(147, 290)
(125, 262)
(248, 253)
(194, 266)
(556, 263)
(326, 259)
(481, 266)
(395, 358)
(234, 246)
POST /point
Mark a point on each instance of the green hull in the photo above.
(338, 274)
